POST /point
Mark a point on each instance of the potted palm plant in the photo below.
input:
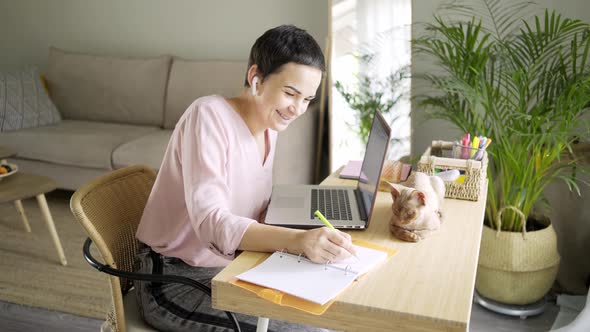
(525, 83)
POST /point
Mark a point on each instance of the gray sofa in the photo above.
(121, 111)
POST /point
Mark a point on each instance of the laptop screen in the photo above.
(375, 153)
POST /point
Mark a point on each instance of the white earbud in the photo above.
(254, 81)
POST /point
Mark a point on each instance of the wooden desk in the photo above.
(426, 286)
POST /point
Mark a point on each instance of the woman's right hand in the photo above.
(323, 244)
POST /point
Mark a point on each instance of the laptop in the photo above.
(345, 207)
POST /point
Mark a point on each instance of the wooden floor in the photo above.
(17, 318)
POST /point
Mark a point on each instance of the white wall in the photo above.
(570, 216)
(194, 29)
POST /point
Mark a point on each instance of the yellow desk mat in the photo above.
(288, 300)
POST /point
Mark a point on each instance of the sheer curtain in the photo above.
(381, 27)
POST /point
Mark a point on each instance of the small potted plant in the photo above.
(524, 83)
(369, 94)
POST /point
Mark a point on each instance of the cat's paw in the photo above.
(404, 234)
(413, 237)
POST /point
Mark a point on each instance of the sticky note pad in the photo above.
(351, 170)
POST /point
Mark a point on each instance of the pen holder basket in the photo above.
(473, 172)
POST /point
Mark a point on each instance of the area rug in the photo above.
(30, 272)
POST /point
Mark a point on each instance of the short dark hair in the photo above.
(281, 45)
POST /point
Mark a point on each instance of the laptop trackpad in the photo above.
(289, 202)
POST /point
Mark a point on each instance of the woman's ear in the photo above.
(254, 79)
(253, 72)
(253, 86)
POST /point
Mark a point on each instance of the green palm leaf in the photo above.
(522, 80)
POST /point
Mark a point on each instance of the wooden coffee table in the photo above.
(20, 186)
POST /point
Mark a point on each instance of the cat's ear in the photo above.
(394, 193)
(420, 196)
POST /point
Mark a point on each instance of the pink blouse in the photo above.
(211, 186)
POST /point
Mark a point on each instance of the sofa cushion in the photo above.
(77, 143)
(148, 150)
(108, 89)
(24, 102)
(190, 80)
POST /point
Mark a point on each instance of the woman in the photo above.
(215, 181)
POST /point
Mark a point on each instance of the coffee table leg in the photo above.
(23, 216)
(49, 221)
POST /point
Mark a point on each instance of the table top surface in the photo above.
(426, 286)
(22, 185)
(5, 153)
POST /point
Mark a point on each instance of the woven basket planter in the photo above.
(517, 268)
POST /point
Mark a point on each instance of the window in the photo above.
(382, 28)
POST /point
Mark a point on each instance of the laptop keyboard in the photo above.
(332, 203)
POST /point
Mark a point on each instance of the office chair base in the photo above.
(522, 311)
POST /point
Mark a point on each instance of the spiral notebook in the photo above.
(318, 283)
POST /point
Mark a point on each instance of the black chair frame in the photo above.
(153, 278)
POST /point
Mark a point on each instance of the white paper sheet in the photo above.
(318, 283)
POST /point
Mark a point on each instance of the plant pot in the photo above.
(517, 268)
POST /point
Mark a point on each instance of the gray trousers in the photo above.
(177, 307)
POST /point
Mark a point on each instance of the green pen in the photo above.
(323, 219)
(327, 223)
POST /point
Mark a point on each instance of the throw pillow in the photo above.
(24, 102)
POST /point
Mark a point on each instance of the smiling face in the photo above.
(284, 96)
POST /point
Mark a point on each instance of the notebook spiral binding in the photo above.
(347, 269)
(284, 253)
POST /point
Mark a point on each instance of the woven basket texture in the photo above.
(110, 208)
(475, 171)
(391, 173)
(517, 269)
